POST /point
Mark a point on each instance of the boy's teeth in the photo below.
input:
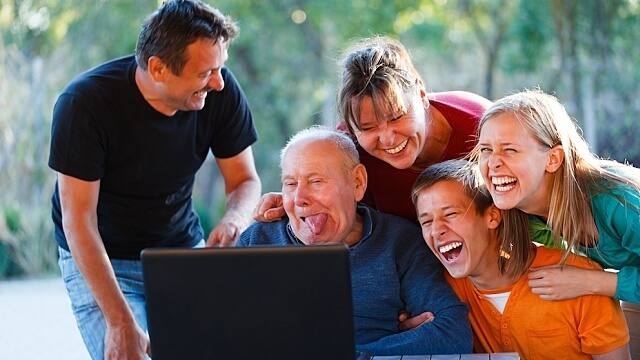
(398, 148)
(449, 247)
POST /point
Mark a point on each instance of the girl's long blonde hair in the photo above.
(581, 175)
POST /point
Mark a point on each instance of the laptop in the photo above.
(249, 303)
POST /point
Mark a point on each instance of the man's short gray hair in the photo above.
(317, 132)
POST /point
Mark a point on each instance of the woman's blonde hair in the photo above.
(381, 68)
(581, 175)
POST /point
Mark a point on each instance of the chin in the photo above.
(456, 273)
(400, 164)
(315, 241)
(502, 202)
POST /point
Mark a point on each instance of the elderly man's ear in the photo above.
(359, 174)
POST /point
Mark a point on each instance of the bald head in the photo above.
(343, 143)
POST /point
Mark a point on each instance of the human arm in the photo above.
(423, 288)
(269, 208)
(408, 322)
(124, 339)
(601, 327)
(617, 217)
(242, 188)
(557, 282)
(621, 353)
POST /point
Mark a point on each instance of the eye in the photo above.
(205, 75)
(510, 150)
(289, 183)
(451, 214)
(398, 117)
(485, 149)
(426, 222)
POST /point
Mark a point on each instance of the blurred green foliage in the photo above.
(286, 59)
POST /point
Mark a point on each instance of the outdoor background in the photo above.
(584, 51)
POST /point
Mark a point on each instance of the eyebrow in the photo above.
(444, 208)
(501, 143)
(306, 176)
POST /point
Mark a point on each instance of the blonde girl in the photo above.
(532, 158)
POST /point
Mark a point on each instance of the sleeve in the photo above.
(248, 237)
(622, 209)
(424, 289)
(234, 127)
(245, 239)
(77, 142)
(540, 232)
(601, 324)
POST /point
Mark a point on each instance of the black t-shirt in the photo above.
(103, 129)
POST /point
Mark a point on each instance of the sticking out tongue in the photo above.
(316, 223)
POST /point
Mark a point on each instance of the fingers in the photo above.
(546, 267)
(403, 315)
(223, 235)
(274, 214)
(542, 272)
(268, 202)
(416, 321)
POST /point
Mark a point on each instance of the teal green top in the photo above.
(617, 217)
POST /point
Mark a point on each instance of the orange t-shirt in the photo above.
(540, 329)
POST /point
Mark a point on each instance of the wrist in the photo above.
(122, 317)
(603, 283)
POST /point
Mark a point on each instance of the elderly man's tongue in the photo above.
(316, 223)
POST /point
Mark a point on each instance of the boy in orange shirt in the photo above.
(461, 225)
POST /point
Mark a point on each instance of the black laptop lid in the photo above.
(249, 303)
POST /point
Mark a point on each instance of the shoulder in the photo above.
(401, 237)
(392, 223)
(459, 286)
(105, 76)
(260, 233)
(461, 100)
(546, 256)
(616, 208)
(615, 195)
(231, 93)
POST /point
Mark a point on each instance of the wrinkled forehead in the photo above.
(313, 155)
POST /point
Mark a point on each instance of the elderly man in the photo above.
(460, 224)
(391, 269)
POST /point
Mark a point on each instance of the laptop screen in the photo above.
(249, 303)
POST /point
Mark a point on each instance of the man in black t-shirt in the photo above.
(127, 139)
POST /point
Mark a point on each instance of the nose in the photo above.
(494, 160)
(301, 196)
(438, 228)
(216, 82)
(386, 135)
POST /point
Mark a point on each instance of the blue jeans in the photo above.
(88, 315)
